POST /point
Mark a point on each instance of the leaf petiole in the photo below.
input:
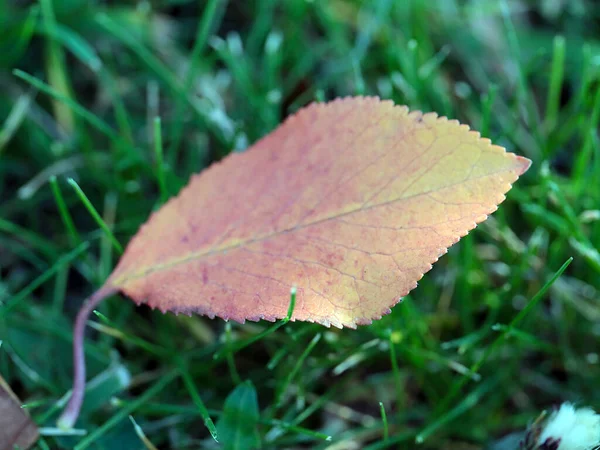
(71, 412)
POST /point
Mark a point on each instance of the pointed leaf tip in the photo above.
(352, 201)
(524, 164)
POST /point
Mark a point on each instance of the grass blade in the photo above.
(189, 384)
(88, 205)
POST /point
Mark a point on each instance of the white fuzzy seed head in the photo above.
(575, 429)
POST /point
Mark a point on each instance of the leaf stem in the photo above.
(71, 412)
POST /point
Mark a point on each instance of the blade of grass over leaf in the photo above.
(158, 155)
(88, 205)
(64, 211)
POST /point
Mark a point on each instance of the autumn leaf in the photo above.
(16, 428)
(351, 201)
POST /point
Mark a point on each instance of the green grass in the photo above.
(106, 111)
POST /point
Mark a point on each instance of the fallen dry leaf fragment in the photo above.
(16, 428)
(352, 201)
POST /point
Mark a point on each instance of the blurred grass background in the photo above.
(119, 102)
